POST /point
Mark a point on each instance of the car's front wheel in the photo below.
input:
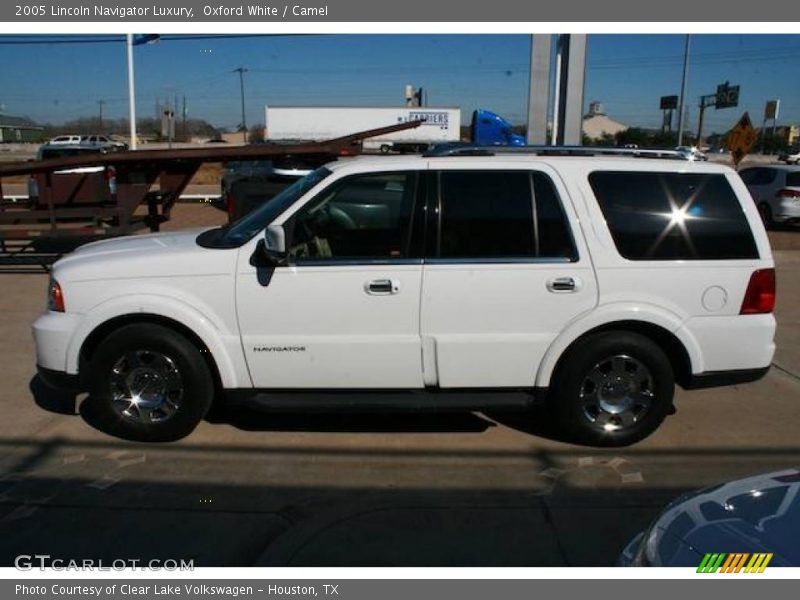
(612, 389)
(149, 383)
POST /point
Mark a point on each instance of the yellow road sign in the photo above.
(742, 138)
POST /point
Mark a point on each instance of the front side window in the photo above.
(254, 222)
(363, 217)
(501, 215)
(673, 216)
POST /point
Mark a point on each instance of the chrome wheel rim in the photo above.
(146, 387)
(617, 393)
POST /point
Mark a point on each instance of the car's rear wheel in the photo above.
(612, 389)
(149, 383)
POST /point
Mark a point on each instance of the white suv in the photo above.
(464, 281)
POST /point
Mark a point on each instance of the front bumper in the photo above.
(60, 379)
(52, 334)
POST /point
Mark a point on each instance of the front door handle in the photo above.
(562, 285)
(382, 287)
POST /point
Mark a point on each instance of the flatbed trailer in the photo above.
(90, 197)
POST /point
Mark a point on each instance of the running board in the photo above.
(434, 400)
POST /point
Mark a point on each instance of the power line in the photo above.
(55, 42)
(115, 39)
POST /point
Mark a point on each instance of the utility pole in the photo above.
(681, 113)
(101, 102)
(241, 71)
(705, 102)
(183, 125)
(131, 92)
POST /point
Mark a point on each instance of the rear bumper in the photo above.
(788, 210)
(731, 343)
(721, 378)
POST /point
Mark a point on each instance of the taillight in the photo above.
(230, 204)
(55, 298)
(792, 194)
(352, 150)
(760, 295)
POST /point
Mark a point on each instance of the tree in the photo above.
(256, 134)
(770, 144)
(147, 127)
(633, 136)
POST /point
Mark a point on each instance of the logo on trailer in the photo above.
(428, 118)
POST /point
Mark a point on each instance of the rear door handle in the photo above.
(382, 287)
(562, 285)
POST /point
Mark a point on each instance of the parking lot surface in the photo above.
(367, 490)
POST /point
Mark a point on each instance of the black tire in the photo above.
(766, 215)
(580, 406)
(152, 358)
(385, 148)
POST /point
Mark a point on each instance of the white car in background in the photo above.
(63, 140)
(690, 153)
(103, 141)
(790, 157)
(776, 191)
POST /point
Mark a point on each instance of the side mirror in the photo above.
(271, 249)
(275, 238)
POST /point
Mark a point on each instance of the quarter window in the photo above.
(670, 216)
(793, 179)
(361, 217)
(500, 215)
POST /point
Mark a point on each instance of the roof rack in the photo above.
(466, 149)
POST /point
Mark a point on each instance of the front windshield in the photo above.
(245, 228)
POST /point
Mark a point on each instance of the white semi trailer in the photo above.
(315, 123)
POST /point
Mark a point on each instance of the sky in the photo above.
(627, 73)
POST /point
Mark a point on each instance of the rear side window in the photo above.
(793, 179)
(501, 214)
(758, 176)
(673, 216)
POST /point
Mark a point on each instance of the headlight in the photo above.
(55, 298)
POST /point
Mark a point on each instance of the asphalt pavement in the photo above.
(466, 489)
